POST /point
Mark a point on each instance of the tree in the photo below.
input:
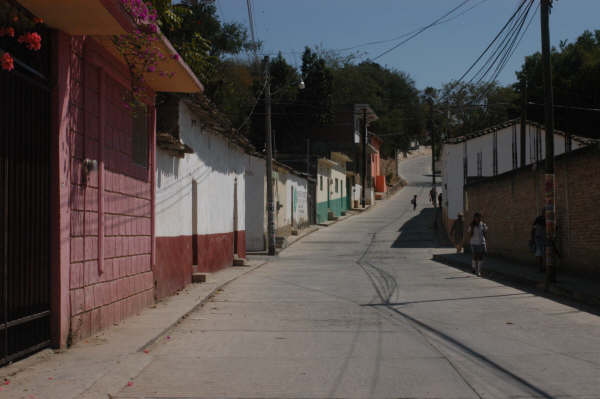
(576, 85)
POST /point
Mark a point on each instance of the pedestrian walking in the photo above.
(413, 201)
(457, 232)
(477, 233)
(440, 200)
(538, 240)
(432, 196)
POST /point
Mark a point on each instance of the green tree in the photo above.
(576, 85)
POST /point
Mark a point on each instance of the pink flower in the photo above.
(7, 62)
(175, 57)
(32, 40)
(151, 68)
(10, 31)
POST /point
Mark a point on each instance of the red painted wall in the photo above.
(103, 288)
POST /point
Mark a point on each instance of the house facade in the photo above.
(81, 192)
(200, 198)
(332, 189)
(491, 152)
(291, 196)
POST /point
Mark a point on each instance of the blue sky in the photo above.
(439, 55)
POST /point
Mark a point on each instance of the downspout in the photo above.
(101, 119)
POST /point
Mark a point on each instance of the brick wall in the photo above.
(510, 202)
(125, 286)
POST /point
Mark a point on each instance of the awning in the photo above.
(104, 18)
(340, 157)
(327, 162)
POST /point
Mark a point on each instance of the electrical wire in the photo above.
(421, 30)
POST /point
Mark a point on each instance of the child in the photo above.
(478, 233)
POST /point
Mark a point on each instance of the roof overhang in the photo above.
(104, 18)
(327, 162)
(340, 157)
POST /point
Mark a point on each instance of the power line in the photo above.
(421, 30)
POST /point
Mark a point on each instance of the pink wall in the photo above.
(108, 276)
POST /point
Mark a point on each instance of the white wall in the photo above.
(299, 204)
(256, 222)
(452, 158)
(215, 165)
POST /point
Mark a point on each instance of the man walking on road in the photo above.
(432, 196)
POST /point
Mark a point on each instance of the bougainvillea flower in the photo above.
(37, 20)
(176, 57)
(7, 62)
(32, 40)
(7, 31)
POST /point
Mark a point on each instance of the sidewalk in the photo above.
(570, 287)
(102, 364)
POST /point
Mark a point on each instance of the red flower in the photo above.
(7, 62)
(37, 20)
(7, 32)
(33, 41)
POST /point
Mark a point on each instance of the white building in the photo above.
(491, 152)
(290, 196)
(200, 198)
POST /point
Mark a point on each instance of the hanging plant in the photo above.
(140, 49)
(16, 24)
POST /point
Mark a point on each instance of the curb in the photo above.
(538, 286)
(199, 304)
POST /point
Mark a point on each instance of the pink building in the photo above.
(78, 179)
(378, 179)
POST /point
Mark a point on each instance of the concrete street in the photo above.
(359, 310)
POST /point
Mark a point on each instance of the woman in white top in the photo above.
(478, 232)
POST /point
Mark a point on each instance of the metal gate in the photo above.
(24, 204)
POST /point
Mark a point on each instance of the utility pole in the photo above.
(364, 171)
(269, 143)
(430, 101)
(523, 122)
(308, 156)
(549, 195)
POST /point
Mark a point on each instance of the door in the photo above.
(235, 217)
(24, 203)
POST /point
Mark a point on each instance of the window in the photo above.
(479, 164)
(336, 185)
(321, 183)
(139, 140)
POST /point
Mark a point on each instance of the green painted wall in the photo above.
(337, 206)
(322, 211)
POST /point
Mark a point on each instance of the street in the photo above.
(359, 310)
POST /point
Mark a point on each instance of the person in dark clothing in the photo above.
(457, 232)
(413, 201)
(538, 237)
(440, 200)
(432, 196)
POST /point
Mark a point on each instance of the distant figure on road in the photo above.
(432, 196)
(413, 201)
(457, 232)
(538, 237)
(477, 233)
(440, 200)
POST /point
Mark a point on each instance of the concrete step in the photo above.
(237, 261)
(198, 277)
